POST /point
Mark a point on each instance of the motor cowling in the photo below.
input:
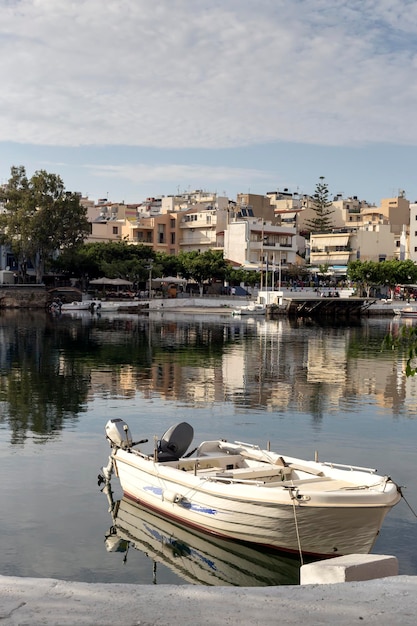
(118, 433)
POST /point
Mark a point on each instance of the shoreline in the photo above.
(53, 602)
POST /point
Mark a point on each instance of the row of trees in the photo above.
(370, 274)
(137, 263)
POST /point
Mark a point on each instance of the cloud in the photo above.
(205, 73)
(194, 174)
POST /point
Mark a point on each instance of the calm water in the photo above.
(302, 387)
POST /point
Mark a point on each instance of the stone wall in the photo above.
(23, 297)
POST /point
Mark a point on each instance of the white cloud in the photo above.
(194, 174)
(205, 73)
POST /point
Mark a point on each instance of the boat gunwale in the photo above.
(355, 495)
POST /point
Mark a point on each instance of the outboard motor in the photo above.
(118, 433)
(175, 441)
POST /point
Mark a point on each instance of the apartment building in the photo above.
(108, 219)
(397, 211)
(203, 229)
(369, 233)
(365, 243)
(254, 205)
(413, 232)
(253, 243)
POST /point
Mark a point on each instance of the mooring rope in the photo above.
(296, 526)
(400, 491)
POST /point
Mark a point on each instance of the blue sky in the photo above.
(135, 98)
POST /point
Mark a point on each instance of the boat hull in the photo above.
(409, 313)
(308, 521)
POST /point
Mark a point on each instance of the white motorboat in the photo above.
(94, 306)
(80, 305)
(198, 558)
(250, 309)
(409, 312)
(242, 492)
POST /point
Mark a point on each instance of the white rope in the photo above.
(296, 527)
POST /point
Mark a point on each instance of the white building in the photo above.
(254, 242)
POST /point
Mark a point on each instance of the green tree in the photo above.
(40, 219)
(115, 259)
(203, 266)
(366, 274)
(386, 273)
(322, 222)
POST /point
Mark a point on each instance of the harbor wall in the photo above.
(23, 296)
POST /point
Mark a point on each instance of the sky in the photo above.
(130, 99)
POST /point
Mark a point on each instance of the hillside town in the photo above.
(256, 231)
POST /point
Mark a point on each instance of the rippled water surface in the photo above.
(302, 387)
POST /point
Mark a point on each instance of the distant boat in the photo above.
(408, 311)
(250, 309)
(81, 305)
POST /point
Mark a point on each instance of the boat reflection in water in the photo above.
(197, 558)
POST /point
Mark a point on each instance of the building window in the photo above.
(173, 238)
(115, 230)
(172, 222)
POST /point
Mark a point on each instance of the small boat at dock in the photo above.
(250, 309)
(409, 312)
(241, 492)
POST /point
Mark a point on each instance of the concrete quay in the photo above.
(49, 602)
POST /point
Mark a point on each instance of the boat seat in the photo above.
(246, 473)
(175, 442)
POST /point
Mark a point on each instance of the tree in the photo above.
(40, 219)
(385, 273)
(202, 266)
(366, 273)
(322, 221)
(114, 259)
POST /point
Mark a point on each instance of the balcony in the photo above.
(273, 245)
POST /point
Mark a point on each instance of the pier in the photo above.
(326, 307)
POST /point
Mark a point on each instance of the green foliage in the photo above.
(123, 260)
(388, 273)
(40, 219)
(111, 259)
(322, 222)
(203, 266)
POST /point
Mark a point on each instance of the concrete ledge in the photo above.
(354, 567)
(47, 602)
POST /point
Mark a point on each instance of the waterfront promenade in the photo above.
(48, 602)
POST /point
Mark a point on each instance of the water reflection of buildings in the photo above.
(262, 364)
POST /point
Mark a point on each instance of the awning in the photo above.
(110, 281)
(329, 242)
(169, 279)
